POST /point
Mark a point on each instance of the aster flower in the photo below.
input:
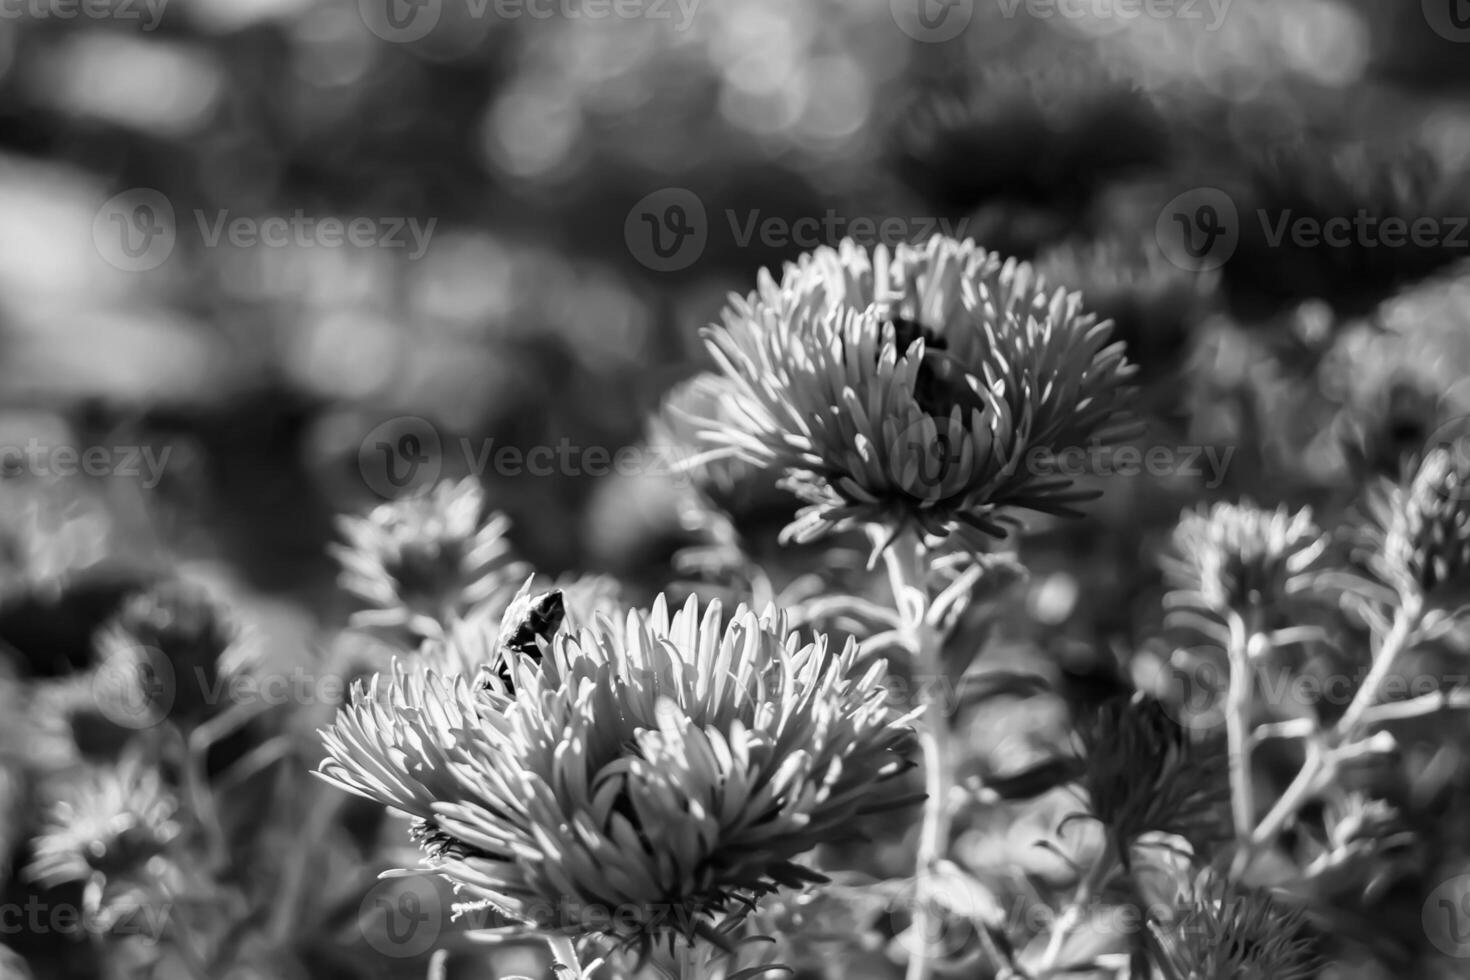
(648, 780)
(1418, 539)
(1146, 774)
(175, 634)
(105, 829)
(1228, 932)
(926, 386)
(1238, 559)
(427, 558)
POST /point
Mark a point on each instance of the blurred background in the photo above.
(247, 243)
(521, 138)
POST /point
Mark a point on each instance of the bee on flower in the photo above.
(647, 779)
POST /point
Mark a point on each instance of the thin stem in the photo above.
(905, 561)
(1089, 888)
(1302, 788)
(1237, 728)
(1405, 625)
(1320, 765)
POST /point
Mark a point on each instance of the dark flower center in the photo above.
(931, 391)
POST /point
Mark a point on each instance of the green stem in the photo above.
(905, 560)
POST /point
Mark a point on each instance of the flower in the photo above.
(176, 634)
(427, 558)
(926, 386)
(1152, 303)
(1237, 559)
(105, 827)
(1050, 130)
(1145, 774)
(1418, 540)
(1227, 932)
(644, 781)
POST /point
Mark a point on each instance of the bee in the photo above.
(531, 619)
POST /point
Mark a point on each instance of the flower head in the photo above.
(1145, 774)
(1419, 538)
(644, 780)
(428, 558)
(1238, 558)
(1227, 932)
(176, 634)
(926, 386)
(105, 826)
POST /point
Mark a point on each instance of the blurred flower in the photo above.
(1228, 932)
(1323, 184)
(69, 724)
(104, 829)
(724, 491)
(1419, 533)
(924, 386)
(1237, 559)
(176, 634)
(1152, 303)
(646, 779)
(1055, 130)
(428, 558)
(1145, 774)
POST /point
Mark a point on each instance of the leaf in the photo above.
(1035, 780)
(978, 688)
